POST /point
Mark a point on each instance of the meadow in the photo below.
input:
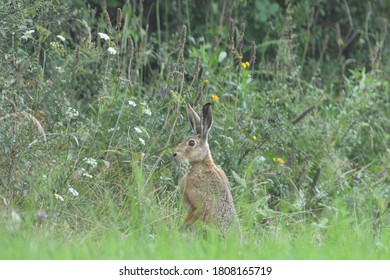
(93, 98)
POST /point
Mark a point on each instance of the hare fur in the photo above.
(205, 188)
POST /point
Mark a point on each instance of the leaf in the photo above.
(191, 39)
(107, 164)
(215, 8)
(222, 56)
(238, 179)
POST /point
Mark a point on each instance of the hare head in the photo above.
(195, 148)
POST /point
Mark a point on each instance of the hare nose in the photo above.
(174, 155)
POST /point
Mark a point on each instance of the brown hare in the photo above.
(205, 188)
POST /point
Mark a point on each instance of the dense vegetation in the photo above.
(93, 100)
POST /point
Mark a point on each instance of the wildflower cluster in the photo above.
(111, 50)
(278, 160)
(103, 36)
(142, 141)
(245, 65)
(145, 109)
(58, 48)
(106, 38)
(140, 130)
(42, 214)
(28, 34)
(91, 161)
(73, 191)
(62, 38)
(112, 129)
(71, 113)
(59, 197)
(85, 174)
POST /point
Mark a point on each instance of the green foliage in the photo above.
(93, 102)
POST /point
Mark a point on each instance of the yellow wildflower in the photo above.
(206, 82)
(137, 156)
(340, 42)
(254, 137)
(278, 160)
(245, 64)
(215, 98)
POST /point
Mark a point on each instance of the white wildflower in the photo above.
(71, 113)
(87, 175)
(137, 129)
(58, 197)
(112, 129)
(62, 38)
(147, 111)
(132, 103)
(73, 191)
(60, 69)
(91, 161)
(28, 34)
(111, 50)
(104, 36)
(260, 159)
(142, 141)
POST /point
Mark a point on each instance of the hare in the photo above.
(205, 188)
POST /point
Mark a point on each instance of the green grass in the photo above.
(111, 245)
(341, 238)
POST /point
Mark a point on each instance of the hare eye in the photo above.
(191, 143)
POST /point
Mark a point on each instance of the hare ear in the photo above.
(194, 120)
(207, 121)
